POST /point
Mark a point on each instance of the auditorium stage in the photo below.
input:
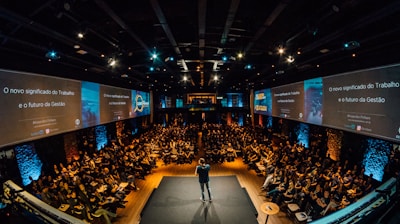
(177, 200)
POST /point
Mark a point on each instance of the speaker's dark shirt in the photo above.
(202, 171)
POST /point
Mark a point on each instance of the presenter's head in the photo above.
(202, 161)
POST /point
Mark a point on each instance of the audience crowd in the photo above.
(307, 177)
(95, 184)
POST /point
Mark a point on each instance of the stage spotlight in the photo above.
(281, 50)
(80, 35)
(112, 62)
(351, 45)
(170, 58)
(215, 78)
(53, 55)
(290, 59)
(249, 67)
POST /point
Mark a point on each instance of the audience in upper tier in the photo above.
(95, 184)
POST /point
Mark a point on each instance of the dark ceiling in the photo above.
(197, 35)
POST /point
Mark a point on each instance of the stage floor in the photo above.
(177, 200)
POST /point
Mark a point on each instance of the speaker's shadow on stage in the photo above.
(206, 213)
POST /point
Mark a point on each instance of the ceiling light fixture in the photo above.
(112, 62)
(52, 55)
(170, 58)
(80, 35)
(324, 51)
(248, 67)
(290, 59)
(351, 45)
(281, 50)
(82, 52)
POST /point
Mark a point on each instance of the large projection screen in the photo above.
(115, 103)
(140, 104)
(35, 106)
(313, 101)
(366, 101)
(288, 101)
(263, 102)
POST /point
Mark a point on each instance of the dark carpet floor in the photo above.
(177, 200)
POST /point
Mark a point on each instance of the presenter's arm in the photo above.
(195, 171)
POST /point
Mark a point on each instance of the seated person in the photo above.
(187, 156)
(77, 207)
(276, 193)
(289, 194)
(130, 179)
(231, 152)
(344, 202)
(268, 180)
(222, 154)
(322, 203)
(253, 158)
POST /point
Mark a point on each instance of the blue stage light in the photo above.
(52, 55)
(248, 67)
(351, 45)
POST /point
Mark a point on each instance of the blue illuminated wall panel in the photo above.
(302, 133)
(101, 136)
(376, 157)
(29, 163)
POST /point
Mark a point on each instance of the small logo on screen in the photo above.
(358, 128)
(47, 131)
(77, 122)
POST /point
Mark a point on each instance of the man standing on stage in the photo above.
(202, 171)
